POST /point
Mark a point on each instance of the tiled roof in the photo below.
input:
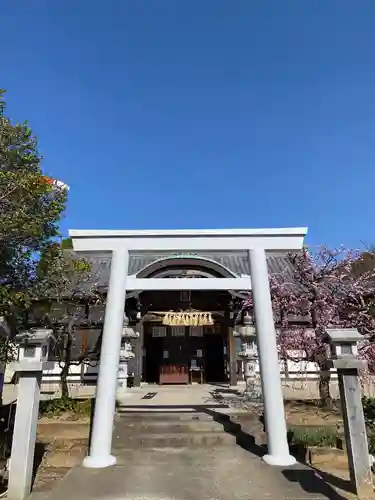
(236, 262)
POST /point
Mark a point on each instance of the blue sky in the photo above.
(201, 113)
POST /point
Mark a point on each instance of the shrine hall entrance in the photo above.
(185, 354)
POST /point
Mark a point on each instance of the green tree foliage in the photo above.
(30, 210)
(65, 286)
(61, 275)
(67, 244)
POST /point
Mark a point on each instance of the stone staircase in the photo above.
(176, 430)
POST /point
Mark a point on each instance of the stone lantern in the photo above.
(35, 345)
(342, 355)
(126, 353)
(342, 344)
(249, 355)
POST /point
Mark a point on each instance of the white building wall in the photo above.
(87, 373)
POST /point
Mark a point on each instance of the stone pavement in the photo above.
(185, 474)
(165, 466)
(165, 456)
(189, 396)
(291, 389)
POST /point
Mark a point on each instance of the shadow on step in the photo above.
(232, 424)
(310, 479)
(243, 439)
(313, 483)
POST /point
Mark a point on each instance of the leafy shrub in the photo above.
(369, 409)
(75, 408)
(368, 404)
(371, 440)
(313, 436)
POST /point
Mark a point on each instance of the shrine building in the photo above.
(185, 336)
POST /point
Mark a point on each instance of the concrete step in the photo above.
(163, 456)
(161, 415)
(174, 440)
(200, 429)
(179, 427)
(186, 416)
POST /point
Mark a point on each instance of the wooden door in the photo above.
(175, 366)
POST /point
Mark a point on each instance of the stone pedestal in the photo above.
(126, 353)
(122, 379)
(249, 356)
(253, 389)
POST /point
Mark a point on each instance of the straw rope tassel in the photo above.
(188, 319)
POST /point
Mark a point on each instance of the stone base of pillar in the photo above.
(100, 462)
(280, 461)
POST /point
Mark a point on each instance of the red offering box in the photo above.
(174, 374)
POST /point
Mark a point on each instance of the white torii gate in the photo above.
(256, 242)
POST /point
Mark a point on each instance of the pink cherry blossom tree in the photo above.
(328, 288)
